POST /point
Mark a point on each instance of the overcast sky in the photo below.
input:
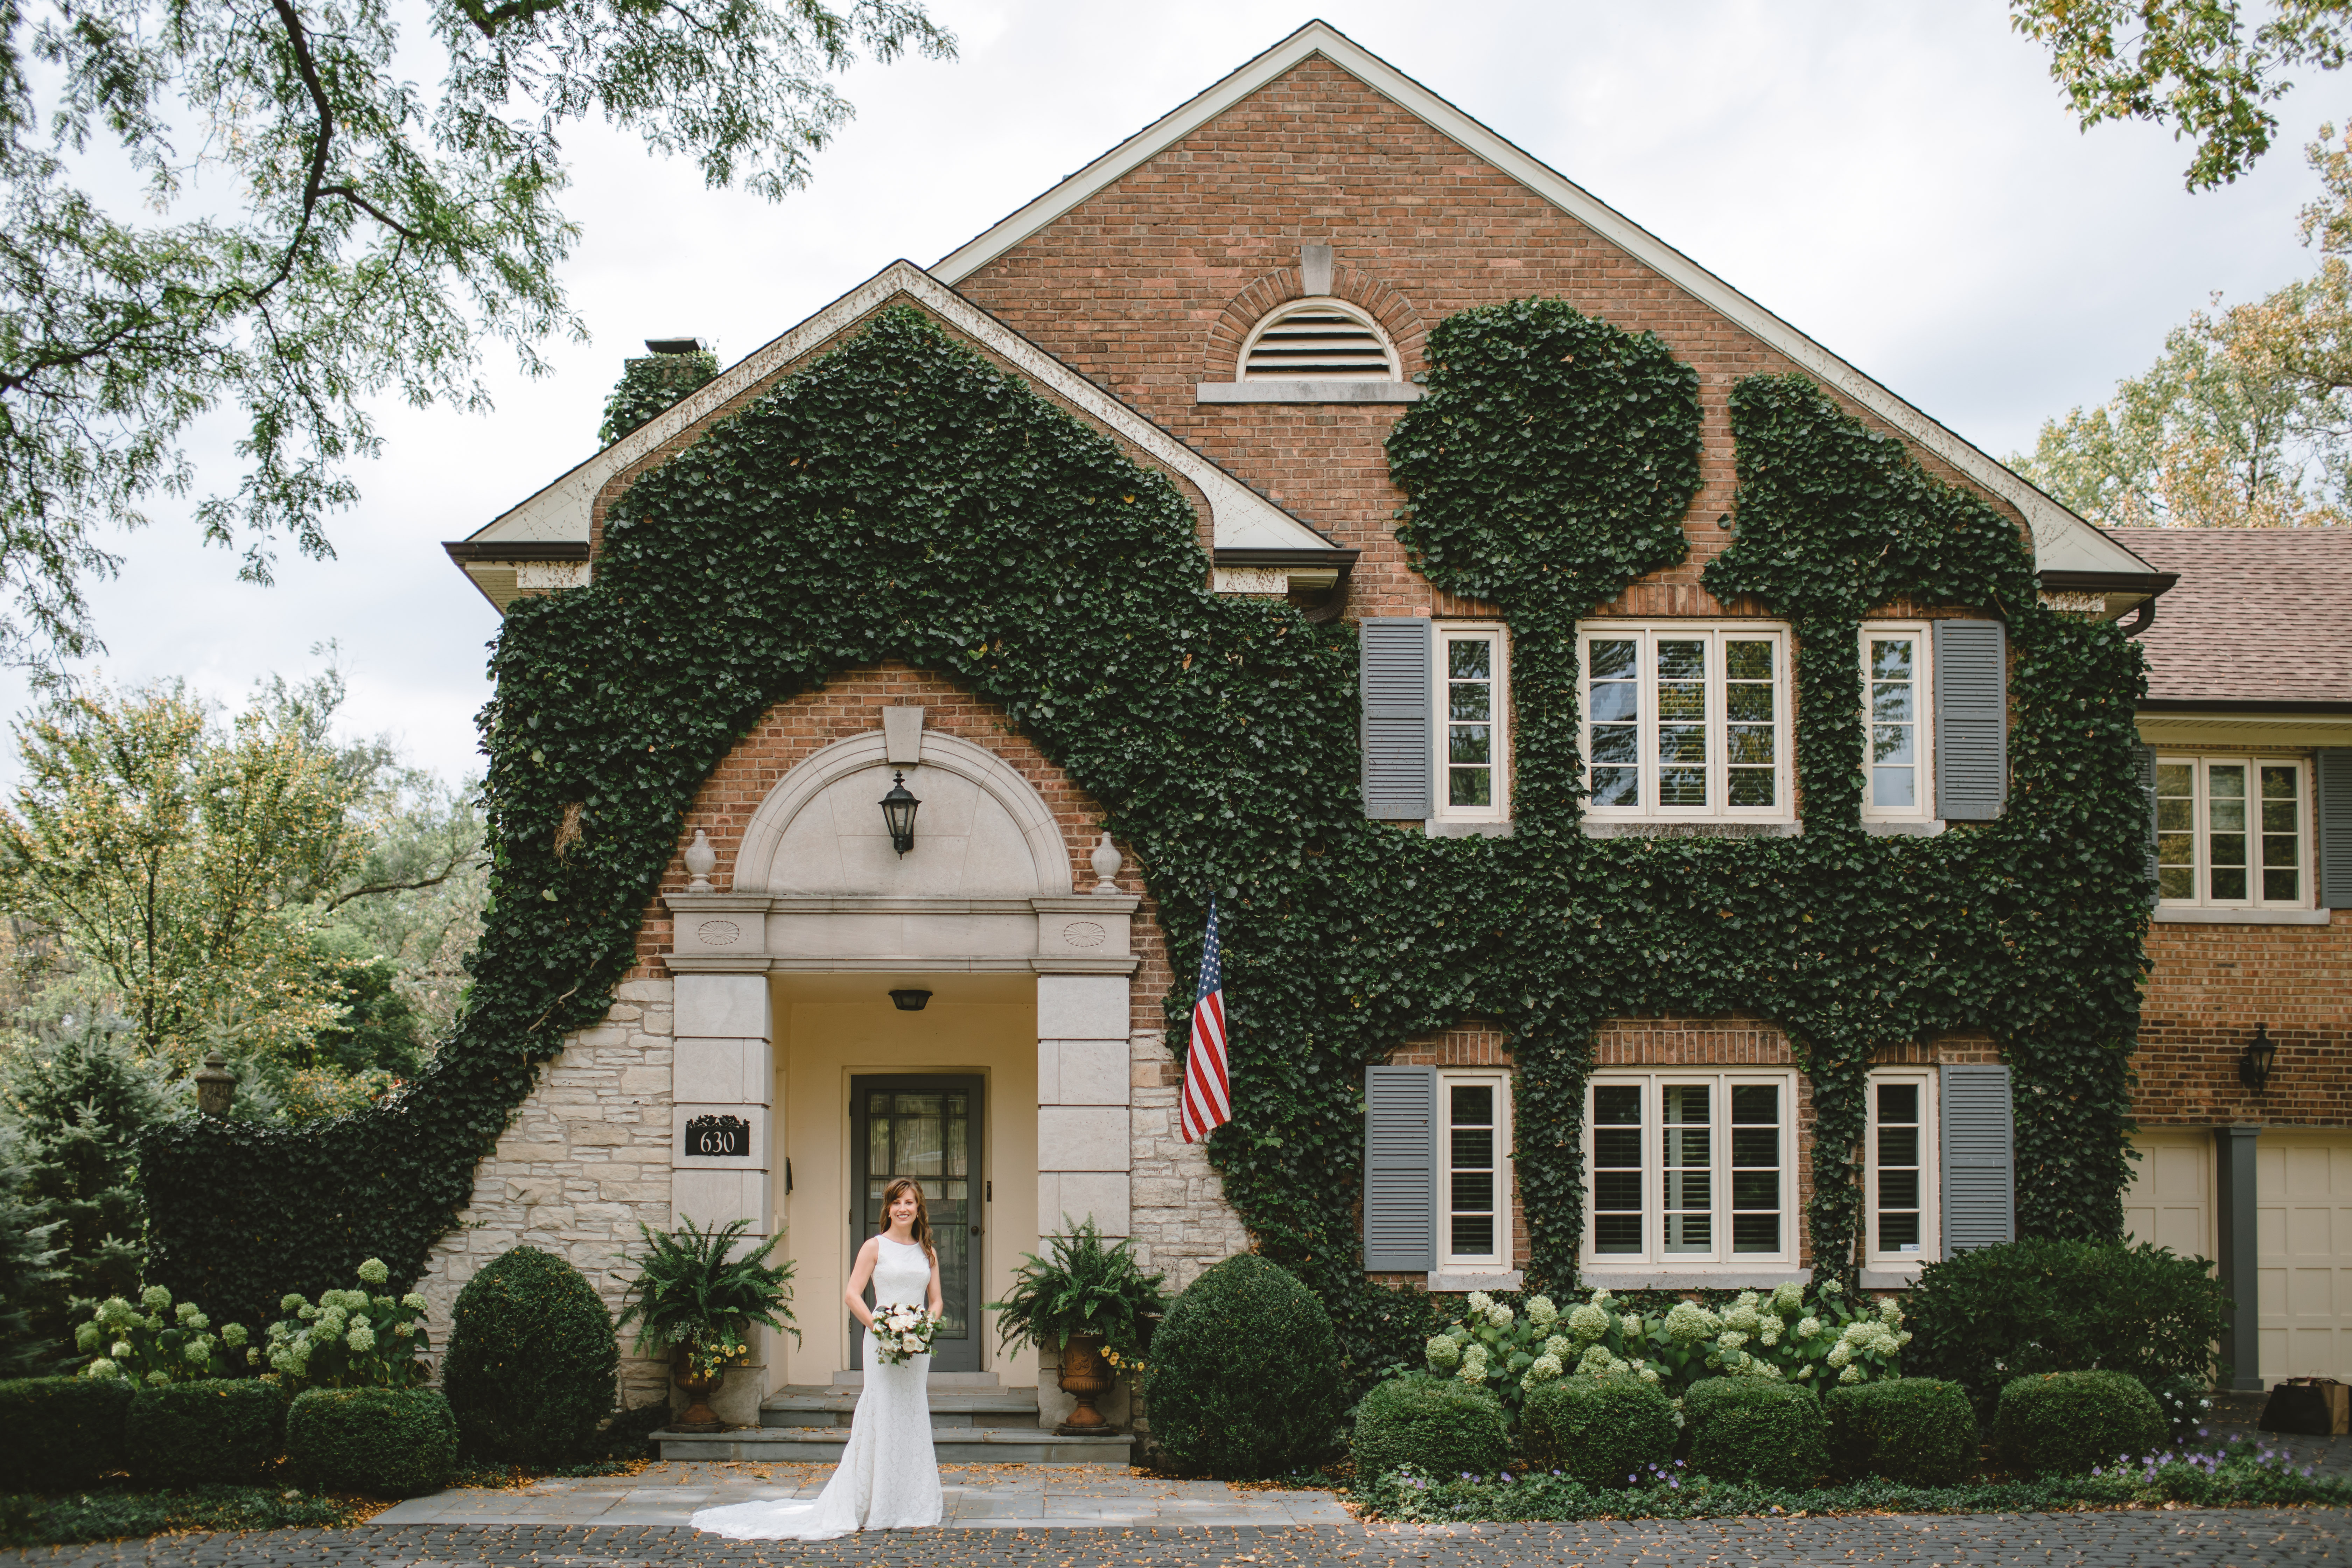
(1897, 178)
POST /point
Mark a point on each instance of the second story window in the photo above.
(1898, 727)
(1686, 721)
(2230, 831)
(1472, 770)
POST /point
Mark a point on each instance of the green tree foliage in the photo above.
(376, 235)
(27, 1254)
(2210, 69)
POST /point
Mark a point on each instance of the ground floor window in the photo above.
(1473, 1157)
(1690, 1168)
(1899, 1175)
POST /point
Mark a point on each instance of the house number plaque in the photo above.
(727, 1137)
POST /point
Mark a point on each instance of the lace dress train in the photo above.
(888, 1478)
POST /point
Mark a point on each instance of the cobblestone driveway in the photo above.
(2238, 1538)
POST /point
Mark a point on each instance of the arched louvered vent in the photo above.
(1318, 340)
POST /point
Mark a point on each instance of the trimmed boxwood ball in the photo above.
(1746, 1430)
(1919, 1430)
(225, 1429)
(2071, 1423)
(397, 1441)
(1438, 1426)
(1244, 1375)
(1598, 1431)
(530, 1362)
(57, 1434)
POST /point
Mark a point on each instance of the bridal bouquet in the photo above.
(902, 1334)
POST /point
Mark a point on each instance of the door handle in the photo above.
(975, 1230)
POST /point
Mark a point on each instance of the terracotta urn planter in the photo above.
(1087, 1376)
(698, 1386)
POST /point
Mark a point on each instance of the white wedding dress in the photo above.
(888, 1478)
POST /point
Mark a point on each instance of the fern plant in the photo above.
(690, 1295)
(1086, 1287)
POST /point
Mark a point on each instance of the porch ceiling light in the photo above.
(899, 810)
(2260, 1056)
(910, 1000)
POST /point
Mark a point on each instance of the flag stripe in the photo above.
(1205, 1104)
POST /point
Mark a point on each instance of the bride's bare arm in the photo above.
(939, 1302)
(861, 1273)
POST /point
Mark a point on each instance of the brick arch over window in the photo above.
(1390, 309)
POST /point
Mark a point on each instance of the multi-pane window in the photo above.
(1682, 721)
(1896, 732)
(2230, 831)
(1475, 1186)
(1471, 703)
(1899, 1178)
(1689, 1168)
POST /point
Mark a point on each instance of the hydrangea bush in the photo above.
(349, 1339)
(1815, 1339)
(156, 1342)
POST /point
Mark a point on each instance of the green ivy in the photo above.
(649, 386)
(900, 499)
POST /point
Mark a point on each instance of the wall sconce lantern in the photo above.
(899, 810)
(909, 1000)
(2262, 1055)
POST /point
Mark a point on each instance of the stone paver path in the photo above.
(991, 1497)
(2236, 1538)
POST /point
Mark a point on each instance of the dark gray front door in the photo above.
(927, 1128)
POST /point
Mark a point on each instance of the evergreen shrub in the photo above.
(214, 1429)
(532, 1361)
(2071, 1423)
(1602, 1431)
(1992, 1314)
(1750, 1429)
(1916, 1430)
(1245, 1376)
(57, 1434)
(397, 1441)
(1440, 1426)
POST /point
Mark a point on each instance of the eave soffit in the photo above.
(2061, 541)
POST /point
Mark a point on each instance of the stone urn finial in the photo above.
(216, 1085)
(1107, 862)
(700, 857)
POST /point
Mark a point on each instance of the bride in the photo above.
(888, 1477)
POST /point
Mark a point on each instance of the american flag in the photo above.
(1208, 1102)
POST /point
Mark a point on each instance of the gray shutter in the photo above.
(2332, 792)
(1971, 721)
(1980, 1158)
(2144, 761)
(1400, 1168)
(1397, 702)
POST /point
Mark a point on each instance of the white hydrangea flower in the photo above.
(1597, 1361)
(361, 1339)
(1588, 1323)
(1831, 1287)
(290, 1302)
(233, 1335)
(406, 1331)
(1851, 1375)
(1542, 1369)
(86, 1338)
(1650, 1375)
(1499, 1315)
(1839, 1353)
(1743, 1316)
(1478, 1302)
(1689, 1323)
(196, 1353)
(1808, 1327)
(1632, 1323)
(1746, 1298)
(1768, 1330)
(413, 1301)
(1601, 1298)
(1891, 1311)
(1787, 1297)
(374, 1272)
(1859, 1330)
(1902, 1339)
(158, 1379)
(120, 1350)
(115, 1312)
(1443, 1352)
(1540, 1312)
(186, 1309)
(1557, 1344)
(102, 1367)
(154, 1297)
(1731, 1338)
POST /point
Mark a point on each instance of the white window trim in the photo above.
(1718, 784)
(1500, 636)
(1923, 689)
(1652, 1258)
(1499, 1261)
(2307, 849)
(1931, 1210)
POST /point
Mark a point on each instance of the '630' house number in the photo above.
(727, 1137)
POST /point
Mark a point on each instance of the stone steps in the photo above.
(973, 1422)
(832, 1406)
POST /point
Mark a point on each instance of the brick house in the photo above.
(1238, 296)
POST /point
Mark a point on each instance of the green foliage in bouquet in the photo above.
(156, 1342)
(350, 1338)
(1605, 1431)
(690, 1294)
(1433, 1425)
(1084, 1288)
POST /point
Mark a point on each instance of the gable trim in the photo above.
(2061, 541)
(1240, 517)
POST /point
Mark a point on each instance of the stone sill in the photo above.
(1455, 1281)
(1906, 827)
(1901, 1277)
(1616, 827)
(1697, 1279)
(2192, 916)
(1306, 392)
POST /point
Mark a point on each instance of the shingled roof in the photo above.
(2261, 616)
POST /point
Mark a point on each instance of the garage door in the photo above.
(2170, 1202)
(2303, 1203)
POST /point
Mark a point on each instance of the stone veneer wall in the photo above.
(1178, 1217)
(584, 1160)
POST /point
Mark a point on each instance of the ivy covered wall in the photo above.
(902, 498)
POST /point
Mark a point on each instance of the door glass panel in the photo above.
(1617, 1168)
(927, 1135)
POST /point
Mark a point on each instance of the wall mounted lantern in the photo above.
(899, 810)
(2262, 1055)
(909, 1000)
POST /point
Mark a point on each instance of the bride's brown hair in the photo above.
(921, 1228)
